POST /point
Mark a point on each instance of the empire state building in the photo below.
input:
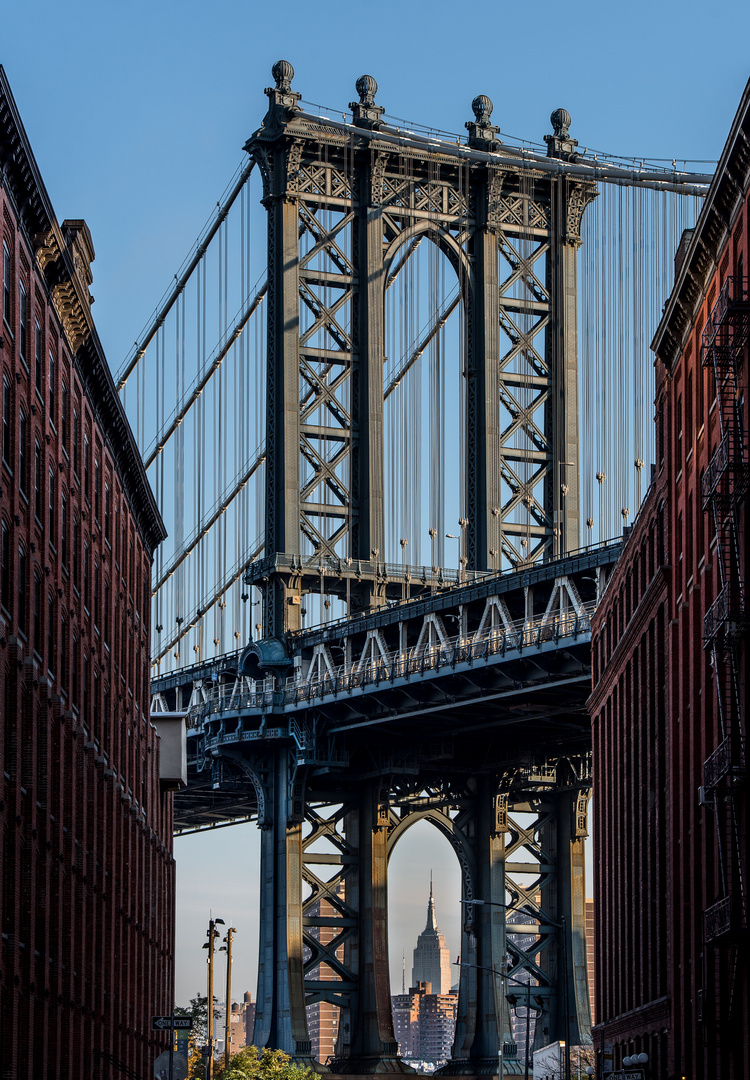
(431, 957)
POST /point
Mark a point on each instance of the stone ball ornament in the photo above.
(561, 120)
(283, 73)
(367, 88)
(482, 108)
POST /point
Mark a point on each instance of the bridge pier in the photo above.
(280, 1018)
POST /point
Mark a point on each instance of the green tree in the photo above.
(253, 1064)
(198, 1009)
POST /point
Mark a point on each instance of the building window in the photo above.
(86, 685)
(105, 720)
(6, 283)
(64, 407)
(64, 654)
(23, 453)
(64, 531)
(74, 672)
(52, 507)
(23, 317)
(50, 634)
(37, 615)
(5, 597)
(52, 371)
(76, 550)
(97, 507)
(6, 421)
(86, 574)
(87, 469)
(21, 587)
(38, 481)
(76, 435)
(96, 593)
(105, 614)
(38, 356)
(107, 512)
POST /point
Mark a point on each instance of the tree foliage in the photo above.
(249, 1063)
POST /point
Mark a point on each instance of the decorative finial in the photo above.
(283, 73)
(482, 133)
(365, 113)
(482, 108)
(367, 88)
(560, 120)
(560, 144)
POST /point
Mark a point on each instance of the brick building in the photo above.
(87, 889)
(670, 664)
(424, 1023)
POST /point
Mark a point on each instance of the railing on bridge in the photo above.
(455, 650)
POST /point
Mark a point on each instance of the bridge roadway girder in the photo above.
(386, 720)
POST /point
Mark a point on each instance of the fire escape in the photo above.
(725, 487)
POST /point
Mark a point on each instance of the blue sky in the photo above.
(137, 114)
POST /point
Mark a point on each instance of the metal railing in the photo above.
(717, 919)
(733, 298)
(727, 616)
(718, 764)
(417, 661)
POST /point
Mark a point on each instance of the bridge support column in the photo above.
(280, 1018)
(373, 1046)
(483, 1020)
(569, 1016)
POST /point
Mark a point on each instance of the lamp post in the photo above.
(227, 948)
(213, 933)
(558, 926)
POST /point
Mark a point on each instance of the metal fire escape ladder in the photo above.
(725, 487)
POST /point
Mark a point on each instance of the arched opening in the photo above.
(424, 888)
(424, 399)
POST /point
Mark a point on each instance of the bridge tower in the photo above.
(358, 197)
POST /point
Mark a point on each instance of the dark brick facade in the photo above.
(669, 706)
(87, 889)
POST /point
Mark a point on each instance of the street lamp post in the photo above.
(559, 926)
(213, 933)
(227, 948)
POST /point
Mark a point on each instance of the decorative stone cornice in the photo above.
(728, 188)
(64, 256)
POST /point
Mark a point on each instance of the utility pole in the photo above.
(213, 933)
(227, 948)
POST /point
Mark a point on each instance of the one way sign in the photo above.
(169, 1023)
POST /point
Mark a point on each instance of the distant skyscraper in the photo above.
(431, 958)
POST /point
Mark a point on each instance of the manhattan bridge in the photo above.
(395, 406)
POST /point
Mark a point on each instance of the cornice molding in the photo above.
(63, 257)
(728, 190)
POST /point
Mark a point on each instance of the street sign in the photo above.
(631, 1074)
(169, 1023)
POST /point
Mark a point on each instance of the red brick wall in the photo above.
(85, 832)
(660, 986)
